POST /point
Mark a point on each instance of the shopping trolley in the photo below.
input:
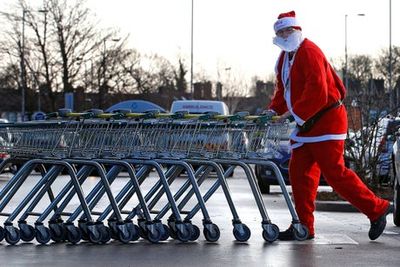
(29, 143)
(153, 134)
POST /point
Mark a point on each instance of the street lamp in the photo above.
(191, 55)
(44, 11)
(346, 77)
(105, 56)
(22, 74)
(395, 101)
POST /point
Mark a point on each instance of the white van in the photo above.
(200, 106)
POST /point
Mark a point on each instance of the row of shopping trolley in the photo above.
(74, 145)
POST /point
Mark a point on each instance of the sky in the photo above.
(234, 37)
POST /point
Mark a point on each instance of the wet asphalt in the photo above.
(341, 236)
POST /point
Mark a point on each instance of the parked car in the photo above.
(385, 148)
(11, 167)
(266, 175)
(395, 179)
(136, 106)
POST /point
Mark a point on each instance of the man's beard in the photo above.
(289, 44)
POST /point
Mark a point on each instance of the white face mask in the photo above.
(290, 43)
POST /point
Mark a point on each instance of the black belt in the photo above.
(310, 122)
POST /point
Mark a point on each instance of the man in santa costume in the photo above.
(308, 89)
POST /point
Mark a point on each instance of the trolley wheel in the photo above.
(135, 232)
(27, 232)
(134, 229)
(43, 237)
(211, 232)
(74, 234)
(172, 230)
(154, 237)
(94, 236)
(57, 232)
(271, 234)
(142, 231)
(195, 234)
(164, 232)
(184, 232)
(301, 234)
(12, 237)
(241, 232)
(82, 224)
(105, 233)
(125, 236)
(112, 224)
(2, 234)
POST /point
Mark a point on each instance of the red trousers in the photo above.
(306, 165)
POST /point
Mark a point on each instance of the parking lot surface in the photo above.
(341, 239)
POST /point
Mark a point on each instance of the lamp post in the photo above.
(44, 11)
(396, 96)
(346, 76)
(22, 74)
(102, 87)
(105, 55)
(191, 54)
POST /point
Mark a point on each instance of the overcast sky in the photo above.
(237, 34)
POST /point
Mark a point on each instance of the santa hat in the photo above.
(286, 20)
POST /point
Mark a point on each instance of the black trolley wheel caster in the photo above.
(133, 229)
(302, 233)
(57, 232)
(105, 233)
(27, 232)
(12, 237)
(195, 234)
(125, 236)
(211, 232)
(153, 236)
(44, 236)
(241, 232)
(74, 234)
(164, 232)
(2, 233)
(184, 232)
(271, 234)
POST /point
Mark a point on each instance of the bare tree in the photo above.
(75, 36)
(179, 76)
(147, 73)
(234, 88)
(367, 103)
(382, 69)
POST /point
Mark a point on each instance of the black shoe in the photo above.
(288, 235)
(378, 226)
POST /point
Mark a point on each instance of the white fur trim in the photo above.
(314, 139)
(285, 22)
(287, 94)
(298, 120)
(296, 145)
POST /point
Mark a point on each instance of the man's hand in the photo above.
(285, 116)
(268, 113)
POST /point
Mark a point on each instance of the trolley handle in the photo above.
(115, 116)
(51, 115)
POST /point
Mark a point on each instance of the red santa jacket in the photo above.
(312, 86)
